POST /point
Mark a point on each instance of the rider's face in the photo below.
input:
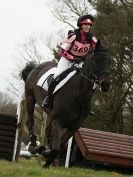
(86, 27)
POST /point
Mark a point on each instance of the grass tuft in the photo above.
(31, 168)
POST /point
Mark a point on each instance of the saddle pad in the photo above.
(42, 82)
(64, 81)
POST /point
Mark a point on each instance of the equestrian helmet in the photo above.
(85, 19)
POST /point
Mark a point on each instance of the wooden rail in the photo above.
(105, 147)
(8, 126)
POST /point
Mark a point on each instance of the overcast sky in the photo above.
(19, 19)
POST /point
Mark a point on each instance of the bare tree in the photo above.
(67, 11)
(7, 104)
(43, 49)
(33, 49)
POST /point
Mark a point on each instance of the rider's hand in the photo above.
(77, 60)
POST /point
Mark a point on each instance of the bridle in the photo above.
(93, 78)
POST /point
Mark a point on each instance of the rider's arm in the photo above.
(65, 46)
(65, 54)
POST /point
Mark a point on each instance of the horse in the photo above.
(71, 103)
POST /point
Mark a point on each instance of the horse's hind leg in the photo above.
(30, 105)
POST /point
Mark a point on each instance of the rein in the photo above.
(93, 78)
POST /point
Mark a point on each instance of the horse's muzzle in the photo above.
(104, 81)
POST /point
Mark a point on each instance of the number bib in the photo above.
(79, 49)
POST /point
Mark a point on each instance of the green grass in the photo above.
(31, 168)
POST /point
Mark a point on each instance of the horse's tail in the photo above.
(26, 71)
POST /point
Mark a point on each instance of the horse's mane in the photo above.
(28, 68)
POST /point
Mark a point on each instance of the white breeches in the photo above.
(63, 65)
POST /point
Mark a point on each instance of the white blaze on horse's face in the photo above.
(86, 27)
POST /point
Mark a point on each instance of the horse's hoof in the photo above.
(46, 165)
(43, 151)
(46, 153)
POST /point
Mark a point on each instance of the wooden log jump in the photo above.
(105, 147)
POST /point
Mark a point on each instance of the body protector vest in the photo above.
(77, 44)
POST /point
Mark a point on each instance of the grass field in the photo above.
(31, 168)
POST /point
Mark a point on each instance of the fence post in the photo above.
(21, 120)
(68, 152)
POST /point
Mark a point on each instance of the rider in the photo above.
(77, 44)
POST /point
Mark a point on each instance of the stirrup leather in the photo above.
(46, 101)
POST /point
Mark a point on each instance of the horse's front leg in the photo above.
(56, 140)
(30, 105)
(52, 156)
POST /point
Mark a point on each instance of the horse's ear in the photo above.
(99, 46)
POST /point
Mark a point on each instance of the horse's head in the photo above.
(101, 66)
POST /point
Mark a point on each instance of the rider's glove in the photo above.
(77, 60)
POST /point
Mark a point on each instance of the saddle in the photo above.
(46, 80)
(62, 76)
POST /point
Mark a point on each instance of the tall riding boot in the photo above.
(48, 99)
